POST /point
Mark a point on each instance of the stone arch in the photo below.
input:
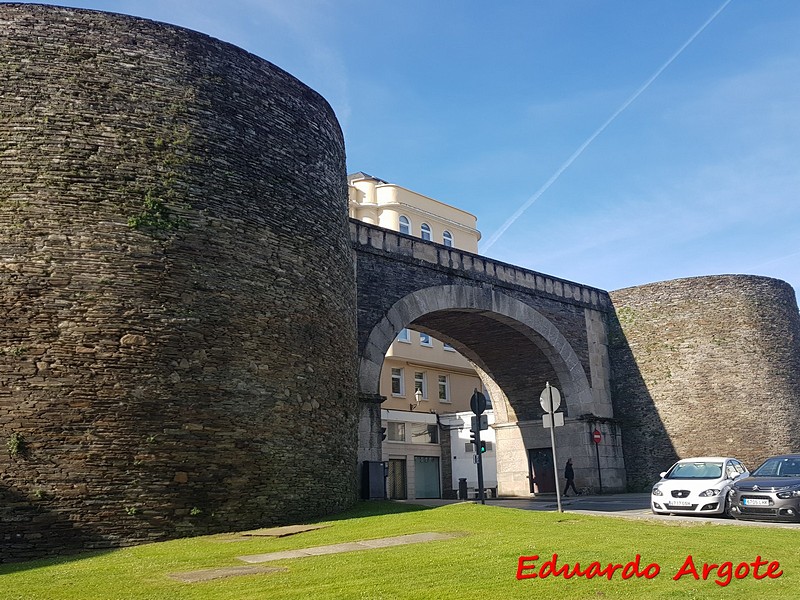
(494, 305)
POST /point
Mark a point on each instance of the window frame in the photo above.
(398, 375)
(447, 239)
(393, 427)
(421, 383)
(425, 340)
(444, 384)
(404, 225)
(425, 232)
(404, 336)
(417, 430)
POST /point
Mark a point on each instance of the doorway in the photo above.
(541, 473)
(397, 479)
(426, 476)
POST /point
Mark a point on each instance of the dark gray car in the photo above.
(770, 493)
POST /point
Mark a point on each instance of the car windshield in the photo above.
(779, 467)
(696, 470)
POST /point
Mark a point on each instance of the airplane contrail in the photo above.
(554, 177)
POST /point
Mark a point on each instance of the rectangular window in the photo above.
(396, 432)
(404, 336)
(397, 382)
(444, 388)
(423, 433)
(425, 340)
(420, 383)
(449, 348)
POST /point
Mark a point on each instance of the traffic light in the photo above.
(472, 439)
(483, 446)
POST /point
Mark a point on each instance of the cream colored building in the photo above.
(417, 361)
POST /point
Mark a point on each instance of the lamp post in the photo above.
(417, 397)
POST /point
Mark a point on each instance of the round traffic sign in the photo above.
(544, 398)
(597, 436)
(477, 403)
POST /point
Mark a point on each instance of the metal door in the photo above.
(540, 470)
(397, 479)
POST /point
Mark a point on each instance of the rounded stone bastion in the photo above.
(177, 342)
(705, 366)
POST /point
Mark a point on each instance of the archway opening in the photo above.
(514, 351)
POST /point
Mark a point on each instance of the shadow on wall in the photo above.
(54, 531)
(646, 445)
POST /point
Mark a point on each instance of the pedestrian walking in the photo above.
(569, 475)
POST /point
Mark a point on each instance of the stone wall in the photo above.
(521, 329)
(705, 366)
(177, 346)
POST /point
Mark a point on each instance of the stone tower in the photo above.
(177, 298)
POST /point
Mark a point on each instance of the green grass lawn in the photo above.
(481, 563)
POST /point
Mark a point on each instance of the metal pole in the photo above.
(480, 461)
(599, 475)
(553, 445)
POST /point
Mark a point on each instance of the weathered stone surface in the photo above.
(519, 331)
(194, 373)
(705, 366)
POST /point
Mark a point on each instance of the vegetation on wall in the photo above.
(16, 445)
(169, 155)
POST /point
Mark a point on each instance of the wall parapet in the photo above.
(406, 248)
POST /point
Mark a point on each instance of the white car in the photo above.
(697, 486)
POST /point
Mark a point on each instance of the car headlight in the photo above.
(707, 493)
(657, 491)
(786, 494)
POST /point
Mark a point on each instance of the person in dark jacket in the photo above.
(569, 475)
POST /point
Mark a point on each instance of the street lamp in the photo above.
(417, 397)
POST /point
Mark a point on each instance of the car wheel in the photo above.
(726, 512)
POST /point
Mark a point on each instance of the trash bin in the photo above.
(462, 488)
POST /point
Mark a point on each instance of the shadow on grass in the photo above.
(19, 567)
(34, 533)
(372, 508)
(363, 508)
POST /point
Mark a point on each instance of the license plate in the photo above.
(680, 503)
(756, 502)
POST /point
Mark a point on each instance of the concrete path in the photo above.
(282, 531)
(221, 572)
(401, 540)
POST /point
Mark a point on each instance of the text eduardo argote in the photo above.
(531, 567)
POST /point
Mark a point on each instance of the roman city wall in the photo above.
(177, 342)
(705, 366)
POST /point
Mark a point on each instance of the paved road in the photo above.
(630, 506)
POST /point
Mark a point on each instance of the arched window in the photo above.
(405, 225)
(425, 232)
(447, 239)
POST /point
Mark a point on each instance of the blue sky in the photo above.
(481, 104)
